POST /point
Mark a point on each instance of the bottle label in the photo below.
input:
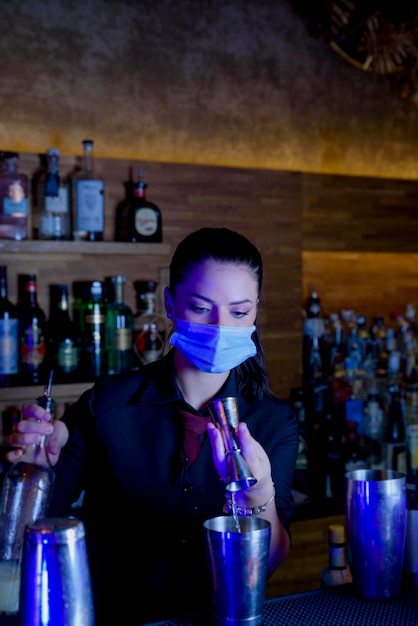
(13, 207)
(146, 221)
(89, 196)
(32, 347)
(67, 356)
(123, 339)
(95, 318)
(58, 203)
(9, 356)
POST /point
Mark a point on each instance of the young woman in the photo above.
(126, 442)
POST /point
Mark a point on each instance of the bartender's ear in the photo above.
(168, 303)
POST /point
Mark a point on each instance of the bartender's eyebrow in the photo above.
(198, 295)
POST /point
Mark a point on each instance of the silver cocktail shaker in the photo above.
(55, 586)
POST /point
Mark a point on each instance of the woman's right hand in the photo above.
(35, 424)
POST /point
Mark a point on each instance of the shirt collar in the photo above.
(160, 385)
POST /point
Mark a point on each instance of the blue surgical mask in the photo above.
(214, 349)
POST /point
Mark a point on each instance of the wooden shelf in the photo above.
(16, 396)
(83, 247)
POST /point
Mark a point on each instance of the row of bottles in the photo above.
(359, 397)
(339, 341)
(102, 336)
(73, 206)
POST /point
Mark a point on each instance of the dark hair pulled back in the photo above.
(226, 246)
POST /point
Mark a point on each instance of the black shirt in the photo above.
(143, 507)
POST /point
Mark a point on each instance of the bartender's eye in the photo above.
(199, 309)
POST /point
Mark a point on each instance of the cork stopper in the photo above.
(336, 533)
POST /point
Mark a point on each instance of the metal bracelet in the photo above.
(246, 511)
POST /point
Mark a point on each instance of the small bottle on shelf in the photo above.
(14, 198)
(395, 433)
(150, 326)
(32, 335)
(338, 571)
(25, 496)
(313, 304)
(355, 455)
(88, 199)
(372, 428)
(94, 360)
(9, 333)
(121, 213)
(144, 217)
(64, 341)
(119, 330)
(53, 201)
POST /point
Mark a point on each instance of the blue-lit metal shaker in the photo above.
(55, 586)
(237, 561)
(375, 506)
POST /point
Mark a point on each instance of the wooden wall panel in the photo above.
(264, 205)
(369, 283)
(360, 243)
(359, 214)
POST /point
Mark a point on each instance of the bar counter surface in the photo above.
(338, 606)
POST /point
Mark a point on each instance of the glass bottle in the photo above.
(372, 428)
(326, 461)
(53, 199)
(119, 330)
(88, 199)
(64, 341)
(25, 496)
(121, 213)
(94, 332)
(395, 435)
(32, 336)
(14, 199)
(337, 572)
(314, 323)
(334, 348)
(81, 292)
(355, 455)
(144, 217)
(150, 326)
(313, 304)
(9, 333)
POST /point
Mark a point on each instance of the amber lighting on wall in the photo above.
(370, 283)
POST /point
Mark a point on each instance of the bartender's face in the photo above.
(219, 293)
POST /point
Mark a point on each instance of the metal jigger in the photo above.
(224, 413)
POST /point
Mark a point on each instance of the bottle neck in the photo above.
(88, 160)
(119, 293)
(149, 300)
(10, 165)
(53, 165)
(31, 293)
(139, 190)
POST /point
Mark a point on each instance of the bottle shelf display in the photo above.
(51, 206)
(360, 395)
(82, 247)
(81, 341)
